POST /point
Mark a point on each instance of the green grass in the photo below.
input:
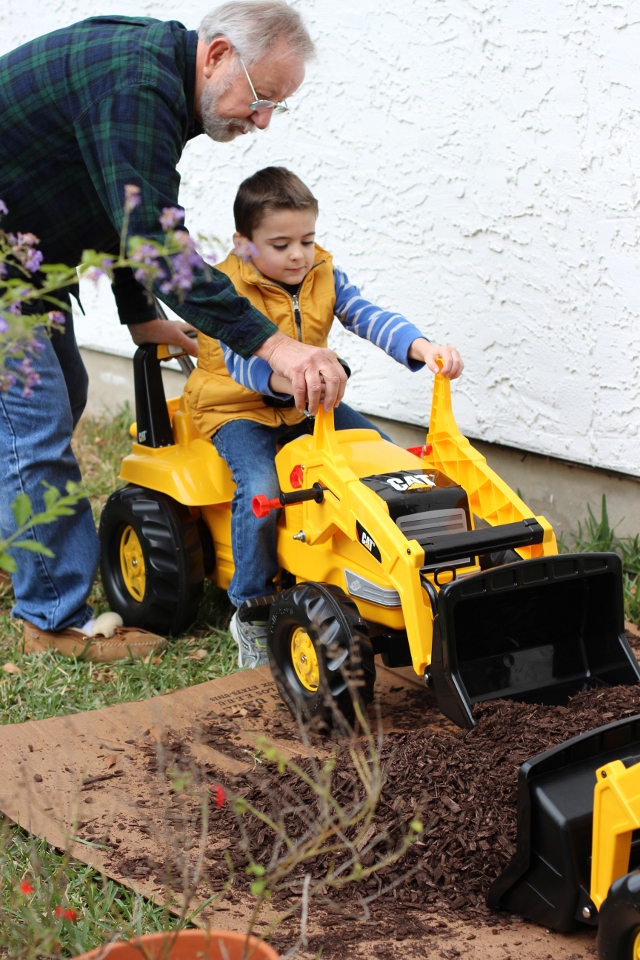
(31, 929)
(595, 535)
(49, 685)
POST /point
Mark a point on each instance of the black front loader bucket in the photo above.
(548, 878)
(539, 631)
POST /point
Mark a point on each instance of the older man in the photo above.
(84, 112)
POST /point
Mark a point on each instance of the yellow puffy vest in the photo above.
(213, 396)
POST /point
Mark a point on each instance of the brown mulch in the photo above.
(460, 784)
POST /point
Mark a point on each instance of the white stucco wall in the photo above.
(475, 163)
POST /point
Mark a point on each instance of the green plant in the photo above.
(56, 505)
(596, 535)
(300, 829)
(29, 288)
(339, 844)
(51, 907)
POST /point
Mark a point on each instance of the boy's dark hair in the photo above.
(272, 188)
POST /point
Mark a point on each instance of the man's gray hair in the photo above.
(255, 26)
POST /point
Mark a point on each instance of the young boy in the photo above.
(246, 408)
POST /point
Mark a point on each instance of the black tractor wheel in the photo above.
(320, 655)
(619, 920)
(151, 560)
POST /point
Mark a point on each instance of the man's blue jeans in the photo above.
(35, 447)
(250, 449)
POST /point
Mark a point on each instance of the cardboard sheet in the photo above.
(81, 779)
(68, 777)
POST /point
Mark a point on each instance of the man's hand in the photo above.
(310, 370)
(165, 331)
(452, 365)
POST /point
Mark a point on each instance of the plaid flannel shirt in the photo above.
(86, 110)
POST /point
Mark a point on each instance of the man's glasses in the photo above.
(263, 104)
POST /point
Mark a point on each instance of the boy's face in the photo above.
(283, 245)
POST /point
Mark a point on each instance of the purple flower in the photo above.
(3, 207)
(183, 239)
(171, 217)
(27, 240)
(145, 253)
(182, 276)
(15, 308)
(36, 345)
(23, 250)
(245, 249)
(57, 317)
(4, 326)
(184, 263)
(33, 261)
(131, 197)
(28, 376)
(94, 274)
(3, 270)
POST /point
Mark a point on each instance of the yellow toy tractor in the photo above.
(423, 556)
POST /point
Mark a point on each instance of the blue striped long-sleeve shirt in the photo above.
(392, 332)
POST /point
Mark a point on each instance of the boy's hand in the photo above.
(280, 384)
(452, 364)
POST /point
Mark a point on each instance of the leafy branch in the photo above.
(56, 505)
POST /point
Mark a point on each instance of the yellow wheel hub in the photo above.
(132, 564)
(305, 660)
(636, 948)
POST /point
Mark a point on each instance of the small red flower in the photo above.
(25, 887)
(68, 914)
(220, 795)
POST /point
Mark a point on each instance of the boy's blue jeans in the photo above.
(35, 446)
(250, 449)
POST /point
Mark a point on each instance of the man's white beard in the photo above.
(214, 126)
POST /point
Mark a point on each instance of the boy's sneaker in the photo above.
(252, 642)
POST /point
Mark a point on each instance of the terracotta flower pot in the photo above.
(186, 945)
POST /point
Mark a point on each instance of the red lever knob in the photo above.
(296, 477)
(262, 506)
(425, 451)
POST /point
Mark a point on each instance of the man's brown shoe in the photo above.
(106, 640)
